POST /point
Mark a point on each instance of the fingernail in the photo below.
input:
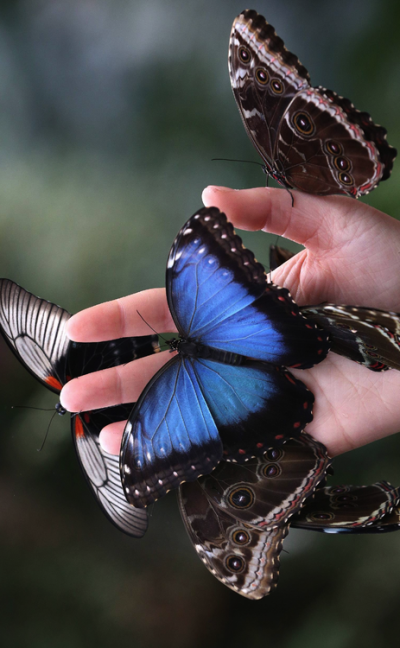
(213, 189)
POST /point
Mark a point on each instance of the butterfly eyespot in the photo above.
(272, 470)
(342, 163)
(277, 86)
(262, 76)
(345, 178)
(244, 55)
(274, 454)
(321, 516)
(241, 498)
(338, 489)
(334, 148)
(241, 537)
(235, 564)
(303, 123)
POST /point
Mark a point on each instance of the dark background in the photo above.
(110, 113)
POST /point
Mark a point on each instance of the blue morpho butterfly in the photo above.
(226, 393)
(34, 329)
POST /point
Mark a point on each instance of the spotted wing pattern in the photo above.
(335, 508)
(310, 139)
(366, 335)
(237, 517)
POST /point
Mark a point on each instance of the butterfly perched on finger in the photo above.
(34, 329)
(238, 516)
(310, 139)
(227, 393)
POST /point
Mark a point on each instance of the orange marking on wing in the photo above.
(79, 431)
(86, 416)
(53, 382)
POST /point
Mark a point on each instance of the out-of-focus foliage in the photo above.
(110, 114)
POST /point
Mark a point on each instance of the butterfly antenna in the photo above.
(154, 330)
(47, 432)
(229, 160)
(41, 409)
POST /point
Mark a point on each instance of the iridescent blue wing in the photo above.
(170, 437)
(218, 295)
(254, 405)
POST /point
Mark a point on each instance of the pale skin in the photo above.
(352, 256)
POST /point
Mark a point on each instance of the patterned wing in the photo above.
(101, 469)
(265, 77)
(323, 152)
(365, 335)
(244, 558)
(254, 405)
(219, 296)
(34, 329)
(310, 139)
(335, 508)
(265, 492)
(170, 437)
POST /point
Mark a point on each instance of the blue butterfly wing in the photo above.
(170, 437)
(218, 295)
(254, 405)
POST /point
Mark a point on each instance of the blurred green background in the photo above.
(111, 111)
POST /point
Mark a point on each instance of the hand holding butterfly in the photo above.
(352, 256)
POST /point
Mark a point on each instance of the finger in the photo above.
(111, 436)
(313, 221)
(122, 384)
(120, 318)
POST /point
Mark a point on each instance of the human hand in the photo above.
(352, 257)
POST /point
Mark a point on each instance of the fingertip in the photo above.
(72, 328)
(212, 194)
(111, 436)
(66, 398)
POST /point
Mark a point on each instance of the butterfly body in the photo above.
(310, 139)
(227, 391)
(34, 329)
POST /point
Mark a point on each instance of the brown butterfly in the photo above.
(310, 139)
(238, 516)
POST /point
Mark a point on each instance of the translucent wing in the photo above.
(34, 329)
(101, 469)
(219, 295)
